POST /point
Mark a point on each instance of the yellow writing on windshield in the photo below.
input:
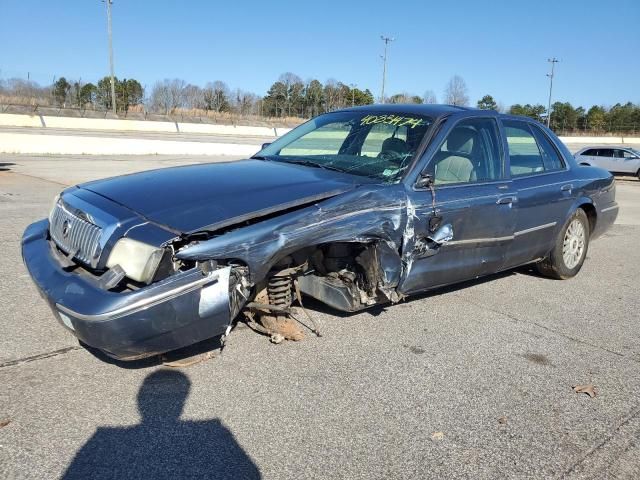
(395, 120)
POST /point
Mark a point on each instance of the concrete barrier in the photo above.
(74, 123)
(79, 145)
(226, 130)
(109, 124)
(15, 120)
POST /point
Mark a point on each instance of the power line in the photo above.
(553, 62)
(387, 41)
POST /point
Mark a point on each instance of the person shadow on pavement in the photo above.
(162, 446)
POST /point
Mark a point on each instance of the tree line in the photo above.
(290, 96)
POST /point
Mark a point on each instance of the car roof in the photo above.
(430, 110)
(619, 147)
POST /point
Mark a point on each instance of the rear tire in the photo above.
(638, 174)
(570, 249)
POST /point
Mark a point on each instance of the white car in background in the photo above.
(614, 159)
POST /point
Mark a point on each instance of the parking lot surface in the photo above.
(474, 381)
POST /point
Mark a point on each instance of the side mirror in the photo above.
(442, 235)
(265, 145)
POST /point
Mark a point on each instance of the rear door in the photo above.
(543, 188)
(471, 194)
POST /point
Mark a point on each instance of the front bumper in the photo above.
(181, 310)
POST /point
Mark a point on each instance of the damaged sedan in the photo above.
(354, 208)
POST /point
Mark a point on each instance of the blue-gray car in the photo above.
(355, 208)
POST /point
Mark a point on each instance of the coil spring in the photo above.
(279, 291)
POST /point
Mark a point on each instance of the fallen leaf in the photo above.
(4, 422)
(588, 389)
(437, 436)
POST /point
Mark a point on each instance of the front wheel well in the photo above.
(590, 210)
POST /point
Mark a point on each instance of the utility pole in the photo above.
(113, 82)
(387, 41)
(553, 62)
(353, 93)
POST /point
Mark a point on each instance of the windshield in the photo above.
(636, 151)
(370, 144)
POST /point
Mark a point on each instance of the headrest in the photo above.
(396, 145)
(461, 140)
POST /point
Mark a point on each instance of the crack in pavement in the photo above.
(13, 172)
(39, 356)
(548, 329)
(601, 444)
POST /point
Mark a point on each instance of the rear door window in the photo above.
(550, 156)
(524, 153)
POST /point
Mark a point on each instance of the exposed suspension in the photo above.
(280, 290)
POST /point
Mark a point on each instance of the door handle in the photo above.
(566, 188)
(507, 200)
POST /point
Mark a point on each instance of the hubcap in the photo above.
(573, 244)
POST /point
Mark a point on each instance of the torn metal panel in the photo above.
(364, 215)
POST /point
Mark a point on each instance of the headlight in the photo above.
(138, 260)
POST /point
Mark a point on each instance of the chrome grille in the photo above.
(74, 234)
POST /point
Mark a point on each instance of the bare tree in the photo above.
(193, 96)
(168, 95)
(216, 96)
(293, 88)
(429, 97)
(332, 95)
(244, 102)
(455, 93)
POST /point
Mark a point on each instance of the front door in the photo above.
(624, 162)
(471, 194)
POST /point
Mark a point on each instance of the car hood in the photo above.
(214, 195)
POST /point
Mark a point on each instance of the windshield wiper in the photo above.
(309, 163)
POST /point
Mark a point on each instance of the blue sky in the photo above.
(498, 47)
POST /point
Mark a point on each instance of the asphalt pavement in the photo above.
(474, 381)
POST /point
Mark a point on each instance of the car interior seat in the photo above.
(395, 149)
(455, 164)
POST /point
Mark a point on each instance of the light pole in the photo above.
(353, 93)
(553, 62)
(113, 82)
(386, 41)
